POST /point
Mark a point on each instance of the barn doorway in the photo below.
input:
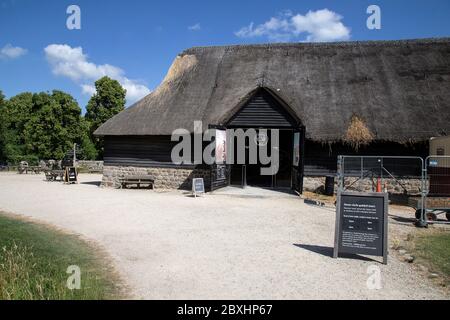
(265, 110)
(250, 174)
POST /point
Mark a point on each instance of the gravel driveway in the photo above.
(169, 245)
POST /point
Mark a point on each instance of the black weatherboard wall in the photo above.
(138, 151)
(262, 110)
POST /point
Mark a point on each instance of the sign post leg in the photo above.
(337, 225)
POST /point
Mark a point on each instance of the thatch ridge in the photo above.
(399, 87)
(295, 45)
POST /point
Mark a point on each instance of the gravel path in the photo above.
(169, 245)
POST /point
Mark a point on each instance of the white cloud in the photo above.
(88, 89)
(10, 52)
(316, 26)
(195, 27)
(73, 64)
(135, 90)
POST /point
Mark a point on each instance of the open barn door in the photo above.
(298, 159)
(220, 171)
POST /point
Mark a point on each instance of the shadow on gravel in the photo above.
(93, 183)
(328, 252)
(402, 220)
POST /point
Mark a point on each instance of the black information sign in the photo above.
(198, 186)
(71, 175)
(361, 224)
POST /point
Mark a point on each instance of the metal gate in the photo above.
(437, 178)
(402, 177)
(423, 184)
(367, 173)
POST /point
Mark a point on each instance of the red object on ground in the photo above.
(379, 185)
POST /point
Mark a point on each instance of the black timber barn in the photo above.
(399, 91)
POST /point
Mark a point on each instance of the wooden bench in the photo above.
(137, 180)
(95, 170)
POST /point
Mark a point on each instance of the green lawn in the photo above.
(34, 259)
(433, 247)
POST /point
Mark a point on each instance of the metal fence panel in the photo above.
(437, 176)
(425, 183)
(396, 175)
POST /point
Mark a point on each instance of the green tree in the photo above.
(2, 126)
(16, 113)
(88, 149)
(43, 126)
(108, 101)
(54, 125)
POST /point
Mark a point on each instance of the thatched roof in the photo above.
(400, 88)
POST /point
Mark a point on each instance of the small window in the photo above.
(440, 151)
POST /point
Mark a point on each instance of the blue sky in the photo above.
(135, 41)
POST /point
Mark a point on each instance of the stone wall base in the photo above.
(181, 178)
(412, 186)
(90, 165)
(165, 178)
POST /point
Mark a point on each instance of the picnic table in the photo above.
(137, 180)
(35, 169)
(53, 175)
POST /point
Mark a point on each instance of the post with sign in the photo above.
(198, 186)
(362, 224)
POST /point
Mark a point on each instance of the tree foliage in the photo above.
(108, 101)
(42, 126)
(16, 113)
(46, 125)
(2, 127)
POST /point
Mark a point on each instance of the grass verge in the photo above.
(431, 248)
(34, 259)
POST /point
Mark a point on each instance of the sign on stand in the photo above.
(71, 175)
(362, 224)
(198, 186)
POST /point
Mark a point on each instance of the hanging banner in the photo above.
(221, 146)
(296, 153)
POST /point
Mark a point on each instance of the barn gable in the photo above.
(262, 110)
